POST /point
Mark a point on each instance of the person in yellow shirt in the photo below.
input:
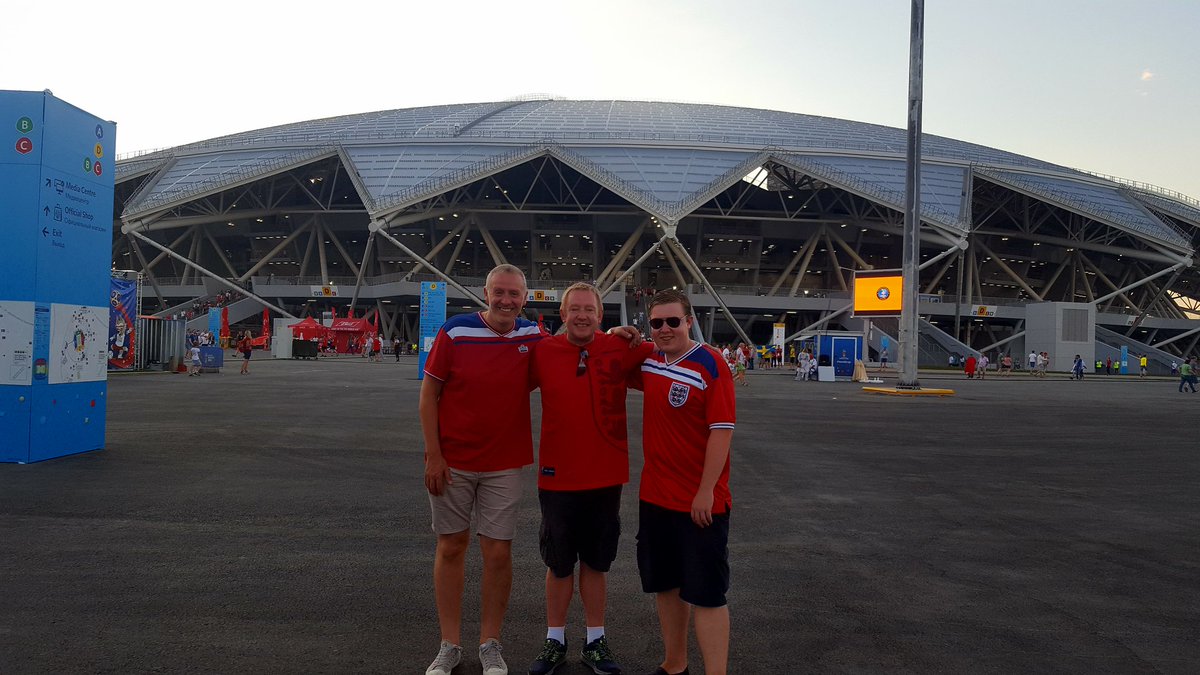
(1143, 362)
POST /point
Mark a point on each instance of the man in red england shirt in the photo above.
(683, 531)
(583, 460)
(475, 419)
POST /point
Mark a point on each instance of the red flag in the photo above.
(224, 322)
(333, 311)
(266, 330)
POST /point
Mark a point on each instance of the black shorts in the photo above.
(582, 525)
(246, 355)
(673, 552)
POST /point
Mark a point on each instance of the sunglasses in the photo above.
(581, 369)
(672, 321)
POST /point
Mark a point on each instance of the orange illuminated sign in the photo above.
(878, 293)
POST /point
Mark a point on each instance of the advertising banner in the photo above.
(777, 334)
(983, 310)
(122, 329)
(433, 315)
(323, 291)
(845, 350)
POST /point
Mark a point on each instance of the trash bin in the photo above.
(304, 349)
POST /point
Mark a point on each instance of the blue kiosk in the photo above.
(836, 349)
(56, 198)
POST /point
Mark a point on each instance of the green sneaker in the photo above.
(598, 657)
(554, 653)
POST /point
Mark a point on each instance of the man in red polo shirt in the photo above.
(583, 460)
(683, 530)
(474, 411)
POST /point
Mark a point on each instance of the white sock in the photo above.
(594, 633)
(557, 633)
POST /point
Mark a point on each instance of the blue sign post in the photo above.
(56, 193)
(433, 315)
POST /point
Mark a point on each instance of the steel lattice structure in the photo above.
(761, 214)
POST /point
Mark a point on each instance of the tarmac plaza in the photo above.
(277, 523)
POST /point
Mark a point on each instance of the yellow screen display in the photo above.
(878, 294)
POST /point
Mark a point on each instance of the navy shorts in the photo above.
(673, 552)
(583, 525)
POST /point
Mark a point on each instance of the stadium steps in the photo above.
(238, 311)
(1159, 361)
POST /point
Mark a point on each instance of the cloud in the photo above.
(1146, 75)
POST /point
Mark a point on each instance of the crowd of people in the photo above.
(475, 418)
(1037, 363)
(200, 338)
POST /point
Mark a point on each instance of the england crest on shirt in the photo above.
(678, 394)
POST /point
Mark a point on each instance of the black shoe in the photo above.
(598, 657)
(660, 671)
(554, 653)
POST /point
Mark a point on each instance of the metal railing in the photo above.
(1146, 187)
(121, 157)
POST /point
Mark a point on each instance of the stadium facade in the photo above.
(761, 215)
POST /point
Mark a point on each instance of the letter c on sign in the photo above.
(24, 146)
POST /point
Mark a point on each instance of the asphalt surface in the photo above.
(277, 522)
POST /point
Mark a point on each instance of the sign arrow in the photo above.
(47, 182)
(45, 232)
(46, 210)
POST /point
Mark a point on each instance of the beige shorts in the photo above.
(488, 500)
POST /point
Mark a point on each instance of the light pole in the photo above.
(912, 204)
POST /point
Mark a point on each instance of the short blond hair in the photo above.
(505, 268)
(580, 286)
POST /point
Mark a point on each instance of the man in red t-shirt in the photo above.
(683, 530)
(474, 411)
(583, 460)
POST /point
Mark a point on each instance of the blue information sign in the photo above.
(433, 315)
(56, 192)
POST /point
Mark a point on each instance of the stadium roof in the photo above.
(666, 158)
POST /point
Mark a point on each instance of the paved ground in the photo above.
(276, 522)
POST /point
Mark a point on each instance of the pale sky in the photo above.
(1104, 85)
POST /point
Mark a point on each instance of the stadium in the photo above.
(762, 216)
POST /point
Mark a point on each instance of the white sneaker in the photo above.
(490, 659)
(449, 656)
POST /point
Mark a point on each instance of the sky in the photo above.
(1103, 85)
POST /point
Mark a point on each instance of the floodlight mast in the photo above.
(912, 211)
